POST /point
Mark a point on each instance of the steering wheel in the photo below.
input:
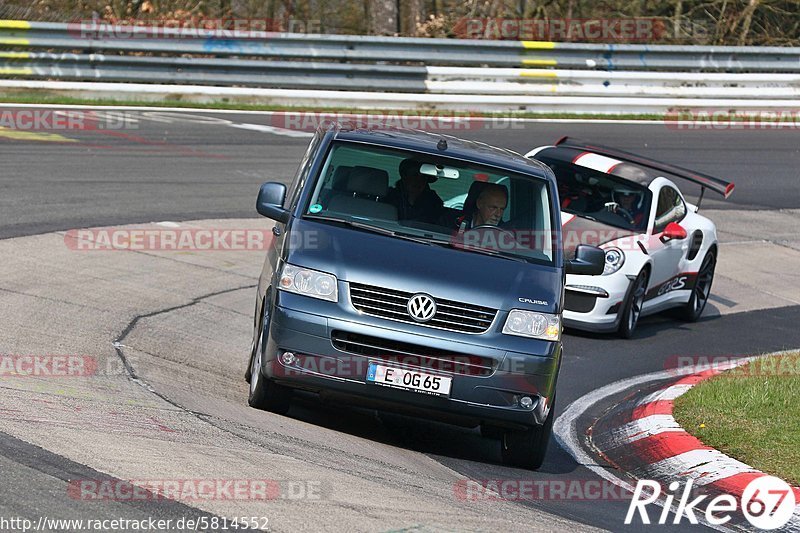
(490, 226)
(624, 213)
(501, 243)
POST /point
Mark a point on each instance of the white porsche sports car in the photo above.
(660, 253)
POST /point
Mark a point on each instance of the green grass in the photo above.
(33, 98)
(751, 413)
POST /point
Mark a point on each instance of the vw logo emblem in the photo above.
(421, 307)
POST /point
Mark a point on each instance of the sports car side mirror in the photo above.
(673, 231)
(589, 261)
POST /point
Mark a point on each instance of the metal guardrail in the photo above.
(462, 52)
(497, 69)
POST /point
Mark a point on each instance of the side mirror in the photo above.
(673, 231)
(270, 202)
(589, 261)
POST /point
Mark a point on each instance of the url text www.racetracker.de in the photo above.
(195, 523)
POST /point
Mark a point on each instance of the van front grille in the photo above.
(392, 304)
(407, 354)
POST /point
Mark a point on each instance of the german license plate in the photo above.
(402, 378)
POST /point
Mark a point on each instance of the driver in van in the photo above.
(489, 208)
(412, 195)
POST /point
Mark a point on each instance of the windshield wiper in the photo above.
(369, 227)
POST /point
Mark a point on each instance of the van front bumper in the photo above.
(492, 398)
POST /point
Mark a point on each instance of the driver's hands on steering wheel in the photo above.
(617, 209)
(491, 226)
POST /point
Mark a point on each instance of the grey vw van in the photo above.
(380, 290)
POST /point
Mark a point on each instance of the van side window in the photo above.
(302, 171)
(670, 208)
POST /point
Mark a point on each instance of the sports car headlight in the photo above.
(309, 283)
(615, 258)
(536, 325)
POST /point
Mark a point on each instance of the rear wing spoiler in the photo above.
(719, 186)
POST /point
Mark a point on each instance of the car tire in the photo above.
(632, 309)
(264, 393)
(527, 448)
(693, 310)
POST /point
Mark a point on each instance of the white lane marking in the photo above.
(703, 466)
(648, 426)
(668, 394)
(168, 224)
(565, 428)
(596, 162)
(169, 117)
(272, 129)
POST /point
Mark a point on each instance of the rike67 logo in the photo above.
(767, 503)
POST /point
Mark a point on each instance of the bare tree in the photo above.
(382, 16)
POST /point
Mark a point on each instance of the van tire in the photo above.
(527, 448)
(264, 393)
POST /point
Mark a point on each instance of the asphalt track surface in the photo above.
(178, 169)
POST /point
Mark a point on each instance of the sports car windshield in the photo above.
(602, 197)
(435, 200)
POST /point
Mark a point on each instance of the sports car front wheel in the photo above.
(632, 309)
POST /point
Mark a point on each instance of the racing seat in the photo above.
(338, 183)
(363, 193)
(340, 175)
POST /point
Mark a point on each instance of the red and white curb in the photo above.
(669, 451)
(653, 445)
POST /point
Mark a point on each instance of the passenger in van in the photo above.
(412, 195)
(484, 206)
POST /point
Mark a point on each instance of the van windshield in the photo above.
(439, 200)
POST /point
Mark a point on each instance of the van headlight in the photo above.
(309, 283)
(615, 258)
(535, 325)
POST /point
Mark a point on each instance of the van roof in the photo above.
(427, 142)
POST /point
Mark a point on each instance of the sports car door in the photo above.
(667, 254)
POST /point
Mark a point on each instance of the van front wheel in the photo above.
(264, 393)
(527, 448)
